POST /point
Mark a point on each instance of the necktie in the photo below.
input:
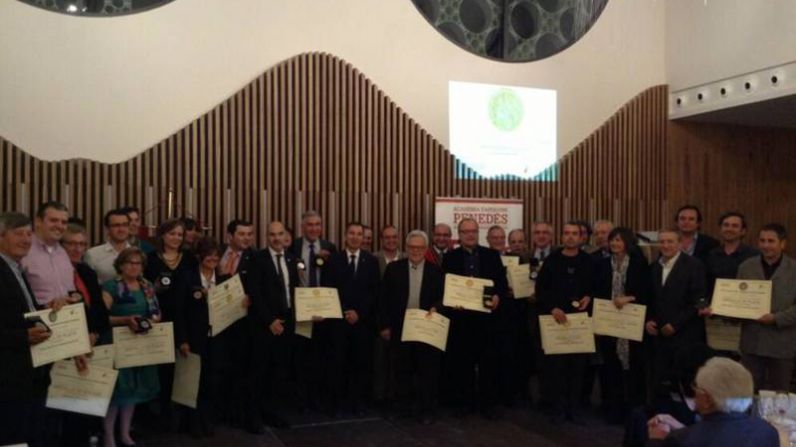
(313, 274)
(81, 287)
(281, 278)
(352, 265)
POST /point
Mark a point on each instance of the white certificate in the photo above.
(465, 292)
(741, 298)
(152, 348)
(723, 335)
(573, 337)
(187, 373)
(304, 329)
(520, 281)
(88, 393)
(431, 330)
(102, 356)
(317, 302)
(627, 322)
(510, 260)
(225, 304)
(69, 335)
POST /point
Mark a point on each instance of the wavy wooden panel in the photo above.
(314, 132)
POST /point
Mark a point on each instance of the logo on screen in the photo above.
(505, 110)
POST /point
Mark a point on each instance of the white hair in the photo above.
(729, 384)
(417, 233)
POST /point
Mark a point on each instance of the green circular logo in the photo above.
(505, 110)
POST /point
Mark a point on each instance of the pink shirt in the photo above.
(49, 271)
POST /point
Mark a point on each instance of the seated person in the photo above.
(723, 392)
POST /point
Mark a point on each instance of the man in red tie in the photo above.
(441, 244)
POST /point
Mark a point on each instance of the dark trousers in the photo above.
(417, 375)
(347, 351)
(564, 377)
(23, 422)
(230, 351)
(384, 369)
(621, 389)
(769, 373)
(471, 361)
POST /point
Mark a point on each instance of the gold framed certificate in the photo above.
(69, 335)
(576, 336)
(627, 322)
(102, 356)
(187, 373)
(225, 304)
(510, 260)
(321, 302)
(723, 335)
(152, 348)
(520, 281)
(87, 393)
(741, 298)
(424, 328)
(465, 292)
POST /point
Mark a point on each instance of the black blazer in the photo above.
(637, 279)
(557, 288)
(269, 304)
(97, 313)
(295, 247)
(19, 381)
(360, 292)
(491, 267)
(723, 429)
(704, 244)
(191, 320)
(395, 294)
(675, 303)
(168, 293)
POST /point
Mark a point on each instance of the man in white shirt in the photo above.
(101, 257)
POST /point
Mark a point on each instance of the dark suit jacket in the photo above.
(637, 279)
(721, 430)
(395, 294)
(19, 381)
(491, 267)
(360, 292)
(270, 303)
(675, 303)
(295, 250)
(557, 288)
(97, 313)
(704, 244)
(191, 320)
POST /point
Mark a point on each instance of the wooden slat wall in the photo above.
(314, 132)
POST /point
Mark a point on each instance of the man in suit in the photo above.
(602, 228)
(477, 340)
(23, 388)
(389, 248)
(313, 251)
(413, 283)
(518, 245)
(692, 242)
(767, 344)
(367, 239)
(348, 343)
(542, 240)
(565, 286)
(678, 284)
(496, 238)
(441, 244)
(723, 261)
(273, 327)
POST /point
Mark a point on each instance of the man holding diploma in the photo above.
(476, 338)
(23, 388)
(768, 345)
(412, 283)
(564, 286)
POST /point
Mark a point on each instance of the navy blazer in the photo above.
(359, 292)
(675, 302)
(491, 267)
(395, 294)
(97, 314)
(19, 381)
(723, 430)
(270, 303)
(192, 320)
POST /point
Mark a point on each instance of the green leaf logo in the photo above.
(505, 110)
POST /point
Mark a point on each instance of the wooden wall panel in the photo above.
(313, 132)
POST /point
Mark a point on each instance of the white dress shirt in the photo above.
(667, 267)
(101, 258)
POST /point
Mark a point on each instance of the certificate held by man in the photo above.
(86, 393)
(741, 298)
(465, 292)
(723, 335)
(69, 335)
(320, 302)
(627, 322)
(225, 304)
(520, 281)
(154, 347)
(573, 337)
(431, 329)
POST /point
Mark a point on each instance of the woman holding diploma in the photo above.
(168, 265)
(624, 277)
(131, 302)
(192, 323)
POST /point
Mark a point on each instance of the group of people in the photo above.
(262, 365)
